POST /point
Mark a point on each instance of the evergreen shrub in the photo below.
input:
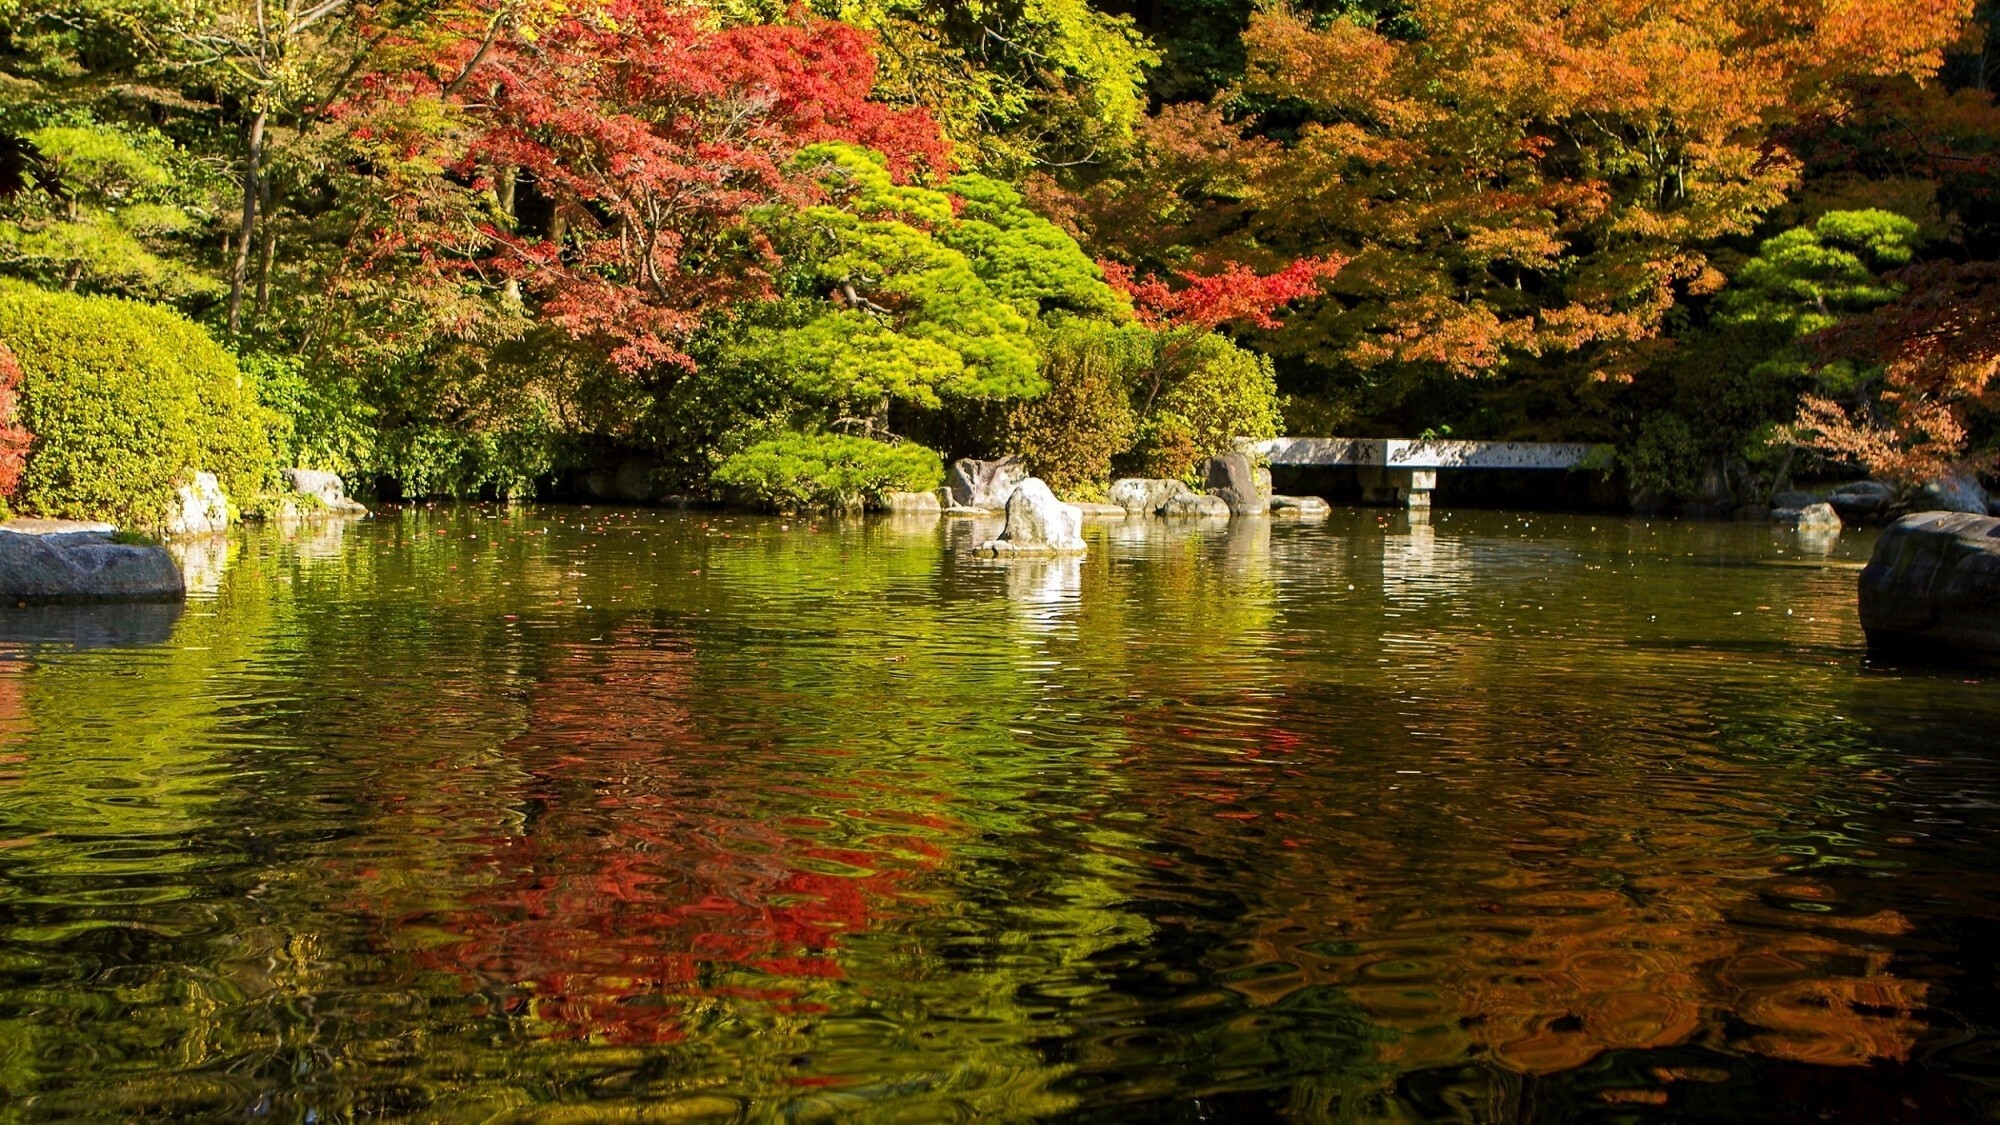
(793, 472)
(126, 401)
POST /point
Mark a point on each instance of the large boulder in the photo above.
(85, 566)
(324, 488)
(1233, 478)
(1933, 585)
(1862, 499)
(1953, 492)
(1038, 524)
(1144, 496)
(1194, 505)
(984, 484)
(200, 507)
(1812, 517)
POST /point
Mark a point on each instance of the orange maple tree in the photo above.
(1939, 351)
(1523, 180)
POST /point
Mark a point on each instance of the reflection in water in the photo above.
(1044, 590)
(490, 813)
(120, 625)
(202, 559)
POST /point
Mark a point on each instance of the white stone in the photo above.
(1038, 524)
(1301, 507)
(914, 503)
(200, 507)
(984, 484)
(1192, 506)
(1813, 517)
(324, 486)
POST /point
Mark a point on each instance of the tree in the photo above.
(103, 214)
(1939, 350)
(1524, 188)
(14, 437)
(920, 295)
(1719, 405)
(1017, 84)
(650, 134)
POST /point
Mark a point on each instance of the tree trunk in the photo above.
(252, 183)
(267, 250)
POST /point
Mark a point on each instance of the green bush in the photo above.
(1069, 434)
(127, 401)
(1664, 463)
(319, 420)
(440, 461)
(792, 472)
(1205, 394)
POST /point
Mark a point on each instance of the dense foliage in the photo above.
(127, 401)
(477, 246)
(792, 472)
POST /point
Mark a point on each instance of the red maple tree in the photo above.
(1235, 294)
(652, 135)
(14, 437)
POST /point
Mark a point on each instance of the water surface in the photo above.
(491, 814)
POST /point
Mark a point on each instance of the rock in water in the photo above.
(200, 507)
(1812, 517)
(1234, 479)
(1145, 496)
(1862, 499)
(1301, 507)
(1933, 585)
(325, 487)
(1953, 492)
(1191, 505)
(85, 566)
(1038, 524)
(984, 484)
(915, 503)
(1092, 510)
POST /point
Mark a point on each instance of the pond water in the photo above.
(493, 814)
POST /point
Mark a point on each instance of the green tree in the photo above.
(104, 212)
(1733, 385)
(900, 297)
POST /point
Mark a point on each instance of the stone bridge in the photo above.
(1404, 472)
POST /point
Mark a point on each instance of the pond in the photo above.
(493, 814)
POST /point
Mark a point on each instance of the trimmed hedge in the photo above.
(126, 401)
(827, 471)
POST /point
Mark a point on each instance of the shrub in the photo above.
(127, 401)
(1664, 461)
(1069, 435)
(441, 461)
(791, 472)
(319, 420)
(1166, 449)
(1206, 393)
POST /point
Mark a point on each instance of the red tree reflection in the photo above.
(654, 875)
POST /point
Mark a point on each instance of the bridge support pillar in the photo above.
(1398, 488)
